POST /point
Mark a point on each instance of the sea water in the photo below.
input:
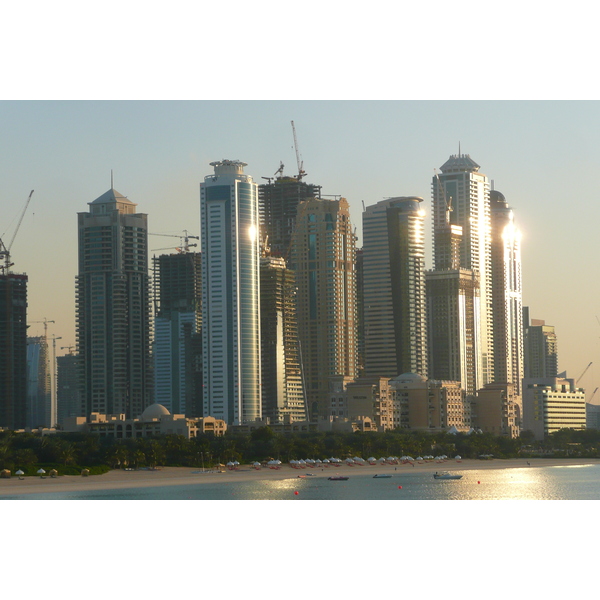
(528, 483)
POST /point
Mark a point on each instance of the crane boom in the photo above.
(584, 372)
(20, 221)
(301, 172)
(4, 249)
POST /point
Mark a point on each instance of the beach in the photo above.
(170, 476)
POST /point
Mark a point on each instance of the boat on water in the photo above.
(446, 475)
(378, 476)
(338, 478)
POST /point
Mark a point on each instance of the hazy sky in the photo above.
(542, 155)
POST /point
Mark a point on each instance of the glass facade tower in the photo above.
(506, 294)
(466, 191)
(394, 288)
(230, 294)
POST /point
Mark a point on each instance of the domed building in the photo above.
(155, 420)
(154, 411)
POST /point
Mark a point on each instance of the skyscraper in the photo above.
(540, 348)
(323, 247)
(113, 308)
(394, 288)
(507, 300)
(278, 201)
(178, 295)
(13, 349)
(453, 313)
(466, 191)
(282, 383)
(68, 399)
(38, 383)
(230, 294)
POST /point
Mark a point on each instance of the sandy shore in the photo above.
(185, 476)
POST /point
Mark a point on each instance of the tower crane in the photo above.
(301, 172)
(4, 249)
(280, 171)
(449, 208)
(185, 239)
(584, 372)
(45, 322)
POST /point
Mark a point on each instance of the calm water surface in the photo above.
(545, 483)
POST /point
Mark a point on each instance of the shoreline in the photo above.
(170, 476)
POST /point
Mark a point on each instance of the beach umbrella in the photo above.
(419, 458)
(19, 472)
(40, 472)
(457, 457)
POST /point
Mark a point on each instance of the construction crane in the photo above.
(185, 239)
(280, 171)
(4, 249)
(592, 396)
(584, 372)
(45, 322)
(301, 172)
(69, 348)
(449, 208)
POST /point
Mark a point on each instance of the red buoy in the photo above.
(296, 493)
(399, 487)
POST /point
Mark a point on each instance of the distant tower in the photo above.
(113, 307)
(282, 383)
(506, 294)
(13, 350)
(230, 294)
(460, 180)
(38, 383)
(394, 288)
(68, 399)
(541, 348)
(178, 292)
(323, 247)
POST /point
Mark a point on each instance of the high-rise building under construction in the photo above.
(323, 257)
(13, 349)
(279, 201)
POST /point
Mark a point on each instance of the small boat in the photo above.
(338, 478)
(378, 476)
(446, 475)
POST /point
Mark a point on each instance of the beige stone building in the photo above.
(430, 405)
(497, 409)
(367, 397)
(155, 420)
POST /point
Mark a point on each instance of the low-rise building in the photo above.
(364, 398)
(552, 403)
(155, 420)
(431, 405)
(498, 410)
